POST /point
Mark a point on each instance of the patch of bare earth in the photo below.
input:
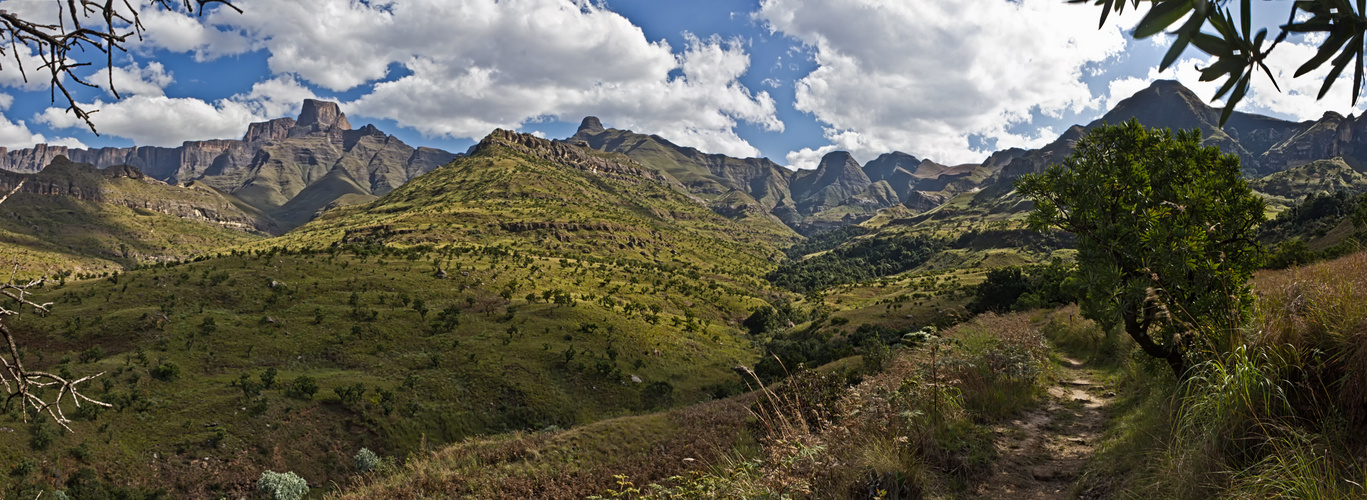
(1041, 452)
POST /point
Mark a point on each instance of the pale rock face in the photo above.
(319, 117)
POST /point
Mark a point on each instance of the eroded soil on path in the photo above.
(1041, 452)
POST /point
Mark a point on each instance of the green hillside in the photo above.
(73, 218)
(502, 292)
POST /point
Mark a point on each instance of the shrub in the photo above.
(282, 486)
(303, 387)
(366, 460)
(94, 353)
(166, 372)
(657, 395)
(350, 395)
(41, 434)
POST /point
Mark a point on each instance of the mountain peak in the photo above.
(590, 125)
(322, 115)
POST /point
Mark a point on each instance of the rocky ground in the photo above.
(1041, 452)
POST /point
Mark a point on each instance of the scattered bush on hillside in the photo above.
(41, 435)
(303, 387)
(365, 461)
(657, 395)
(814, 346)
(825, 240)
(1286, 235)
(773, 319)
(166, 371)
(282, 486)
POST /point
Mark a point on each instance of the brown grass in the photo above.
(570, 464)
(1315, 318)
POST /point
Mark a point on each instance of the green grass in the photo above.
(547, 291)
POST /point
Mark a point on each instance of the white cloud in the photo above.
(157, 120)
(922, 77)
(16, 135)
(474, 65)
(135, 79)
(180, 32)
(1297, 97)
(26, 74)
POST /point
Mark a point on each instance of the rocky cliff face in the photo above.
(273, 162)
(572, 156)
(837, 178)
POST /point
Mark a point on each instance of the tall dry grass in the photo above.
(569, 464)
(1279, 415)
(1316, 317)
(911, 431)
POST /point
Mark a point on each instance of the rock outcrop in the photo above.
(837, 178)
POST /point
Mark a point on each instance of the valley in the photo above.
(600, 314)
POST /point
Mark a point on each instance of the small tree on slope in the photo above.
(1165, 236)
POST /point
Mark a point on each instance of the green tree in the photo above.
(1165, 232)
(303, 387)
(1239, 51)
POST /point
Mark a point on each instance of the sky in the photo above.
(790, 80)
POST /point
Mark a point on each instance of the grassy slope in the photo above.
(52, 233)
(655, 283)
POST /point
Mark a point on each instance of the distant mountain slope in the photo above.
(1265, 145)
(1319, 177)
(838, 192)
(528, 285)
(272, 163)
(560, 199)
(71, 215)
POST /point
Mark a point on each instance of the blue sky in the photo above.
(787, 79)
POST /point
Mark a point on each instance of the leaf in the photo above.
(1238, 95)
(1339, 64)
(1211, 44)
(1331, 45)
(1161, 16)
(1184, 36)
(1245, 14)
(1225, 65)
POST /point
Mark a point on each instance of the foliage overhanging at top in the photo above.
(1240, 52)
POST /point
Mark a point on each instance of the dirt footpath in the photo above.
(1041, 452)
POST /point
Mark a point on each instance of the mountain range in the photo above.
(528, 285)
(285, 169)
(285, 172)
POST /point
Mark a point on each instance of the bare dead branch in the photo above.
(26, 385)
(82, 27)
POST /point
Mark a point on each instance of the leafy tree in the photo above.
(303, 387)
(1022, 288)
(657, 395)
(1000, 290)
(1165, 233)
(350, 395)
(1240, 52)
(268, 378)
